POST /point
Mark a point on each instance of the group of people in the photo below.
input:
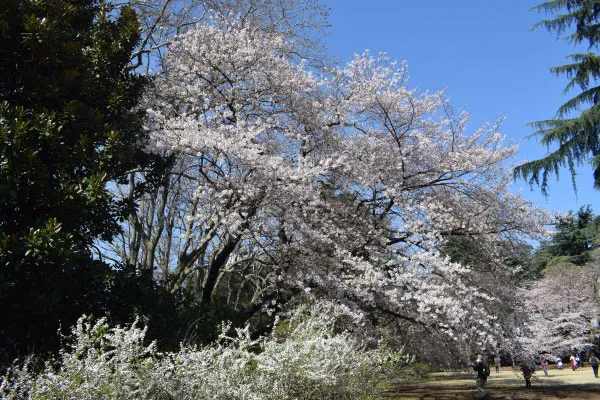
(527, 369)
(483, 371)
(577, 362)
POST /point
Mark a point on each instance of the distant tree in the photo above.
(573, 240)
(68, 126)
(518, 258)
(577, 137)
(560, 308)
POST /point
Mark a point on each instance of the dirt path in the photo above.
(508, 384)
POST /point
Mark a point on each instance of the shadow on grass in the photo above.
(431, 391)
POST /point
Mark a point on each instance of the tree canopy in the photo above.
(289, 181)
(573, 240)
(556, 319)
(577, 137)
(340, 184)
(68, 126)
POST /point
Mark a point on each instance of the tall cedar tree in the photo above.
(577, 137)
(68, 126)
(573, 240)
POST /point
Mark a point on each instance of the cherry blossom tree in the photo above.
(151, 237)
(303, 22)
(562, 309)
(155, 242)
(343, 184)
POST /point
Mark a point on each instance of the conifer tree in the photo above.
(577, 137)
(573, 240)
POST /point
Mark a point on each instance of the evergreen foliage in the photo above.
(68, 126)
(577, 137)
(517, 257)
(573, 240)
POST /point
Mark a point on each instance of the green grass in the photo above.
(508, 384)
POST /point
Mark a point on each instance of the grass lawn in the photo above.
(508, 384)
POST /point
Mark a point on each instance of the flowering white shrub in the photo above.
(101, 363)
(113, 363)
(314, 362)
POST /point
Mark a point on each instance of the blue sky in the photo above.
(484, 54)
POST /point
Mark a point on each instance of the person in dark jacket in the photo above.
(594, 362)
(497, 363)
(483, 371)
(527, 370)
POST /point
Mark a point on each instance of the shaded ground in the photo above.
(508, 384)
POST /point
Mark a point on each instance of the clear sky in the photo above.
(486, 57)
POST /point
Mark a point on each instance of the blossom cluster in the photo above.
(561, 309)
(346, 181)
(308, 359)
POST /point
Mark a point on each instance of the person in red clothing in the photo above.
(573, 362)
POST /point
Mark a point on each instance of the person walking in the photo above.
(573, 362)
(527, 370)
(497, 363)
(544, 364)
(594, 361)
(483, 371)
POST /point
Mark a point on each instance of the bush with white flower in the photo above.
(312, 361)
